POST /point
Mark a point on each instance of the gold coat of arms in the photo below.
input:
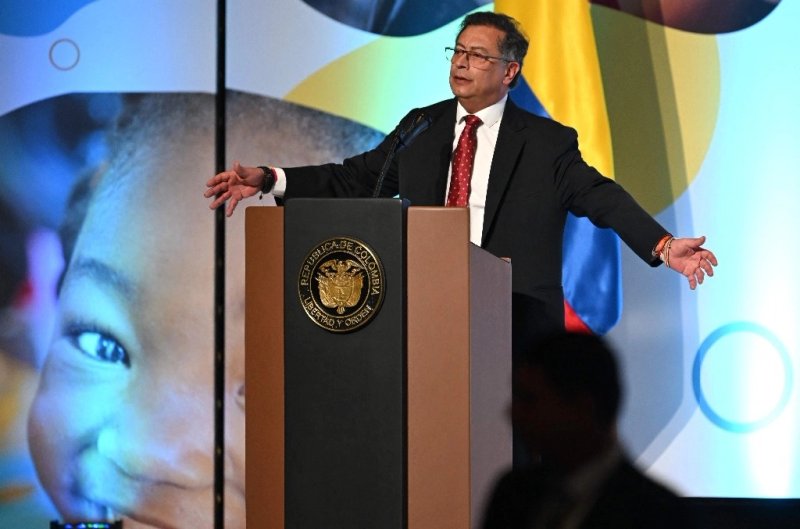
(341, 284)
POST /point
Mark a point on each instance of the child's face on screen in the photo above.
(122, 424)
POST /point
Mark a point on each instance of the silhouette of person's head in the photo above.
(566, 402)
(566, 399)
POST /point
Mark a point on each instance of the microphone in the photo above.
(402, 139)
(417, 126)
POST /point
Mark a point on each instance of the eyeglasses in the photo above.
(478, 60)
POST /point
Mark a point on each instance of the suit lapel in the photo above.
(509, 146)
(425, 163)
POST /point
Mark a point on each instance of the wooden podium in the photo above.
(400, 423)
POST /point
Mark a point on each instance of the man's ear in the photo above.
(511, 71)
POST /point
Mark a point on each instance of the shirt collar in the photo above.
(489, 115)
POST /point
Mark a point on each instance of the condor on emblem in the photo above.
(341, 284)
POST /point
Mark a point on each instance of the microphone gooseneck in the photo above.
(403, 137)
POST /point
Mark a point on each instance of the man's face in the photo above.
(122, 424)
(479, 87)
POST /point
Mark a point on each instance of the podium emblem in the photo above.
(341, 284)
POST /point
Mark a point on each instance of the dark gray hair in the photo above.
(514, 46)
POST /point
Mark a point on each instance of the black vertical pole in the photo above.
(219, 283)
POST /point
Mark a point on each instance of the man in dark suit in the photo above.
(526, 174)
(564, 410)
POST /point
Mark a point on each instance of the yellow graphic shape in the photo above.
(563, 71)
(662, 89)
(378, 83)
(644, 98)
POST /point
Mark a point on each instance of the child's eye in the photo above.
(97, 345)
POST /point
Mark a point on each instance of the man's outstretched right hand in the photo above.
(234, 185)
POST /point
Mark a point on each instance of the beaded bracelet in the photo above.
(656, 251)
(666, 251)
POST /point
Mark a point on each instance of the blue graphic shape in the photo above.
(29, 18)
(397, 18)
(788, 377)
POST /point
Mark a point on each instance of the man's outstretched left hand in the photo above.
(688, 257)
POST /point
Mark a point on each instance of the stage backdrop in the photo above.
(106, 135)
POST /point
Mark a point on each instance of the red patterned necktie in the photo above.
(463, 158)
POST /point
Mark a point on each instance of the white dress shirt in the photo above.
(487, 139)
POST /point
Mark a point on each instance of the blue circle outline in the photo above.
(708, 411)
